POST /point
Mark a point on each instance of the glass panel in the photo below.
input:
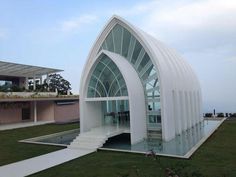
(131, 48)
(93, 82)
(117, 33)
(143, 62)
(148, 86)
(113, 68)
(106, 80)
(147, 73)
(137, 50)
(124, 90)
(156, 83)
(109, 41)
(105, 60)
(121, 80)
(154, 106)
(153, 119)
(116, 112)
(91, 92)
(104, 46)
(101, 89)
(156, 93)
(114, 88)
(152, 95)
(153, 71)
(126, 41)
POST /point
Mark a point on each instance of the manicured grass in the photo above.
(215, 158)
(11, 150)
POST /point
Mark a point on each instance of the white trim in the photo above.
(35, 111)
(107, 98)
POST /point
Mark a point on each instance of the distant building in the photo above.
(23, 105)
(132, 79)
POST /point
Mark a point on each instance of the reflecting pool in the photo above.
(181, 145)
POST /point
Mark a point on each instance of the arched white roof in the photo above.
(179, 87)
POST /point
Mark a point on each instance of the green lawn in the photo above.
(215, 158)
(11, 150)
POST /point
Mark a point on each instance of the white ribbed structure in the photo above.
(180, 93)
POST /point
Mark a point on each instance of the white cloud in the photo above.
(186, 25)
(77, 23)
(195, 15)
(162, 18)
(185, 13)
(204, 31)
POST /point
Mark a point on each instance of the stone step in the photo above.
(82, 148)
(91, 137)
(85, 145)
(88, 143)
(154, 135)
(84, 140)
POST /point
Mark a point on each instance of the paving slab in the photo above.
(43, 162)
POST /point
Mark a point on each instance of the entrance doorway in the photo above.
(25, 114)
(116, 112)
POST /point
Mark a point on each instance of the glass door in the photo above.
(116, 112)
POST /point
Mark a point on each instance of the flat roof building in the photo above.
(134, 80)
(19, 103)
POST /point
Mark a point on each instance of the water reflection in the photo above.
(180, 145)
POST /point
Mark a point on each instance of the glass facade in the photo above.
(116, 112)
(122, 42)
(106, 80)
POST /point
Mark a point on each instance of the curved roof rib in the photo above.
(178, 84)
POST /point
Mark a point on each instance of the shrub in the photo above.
(233, 115)
(15, 88)
(208, 115)
(221, 114)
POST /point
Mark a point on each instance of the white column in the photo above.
(34, 83)
(41, 80)
(35, 111)
(26, 83)
(47, 81)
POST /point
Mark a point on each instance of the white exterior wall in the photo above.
(178, 83)
(137, 108)
(91, 112)
(93, 115)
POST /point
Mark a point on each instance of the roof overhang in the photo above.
(22, 70)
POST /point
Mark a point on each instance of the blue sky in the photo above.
(60, 34)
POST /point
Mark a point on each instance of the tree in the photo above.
(57, 82)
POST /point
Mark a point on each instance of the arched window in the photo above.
(122, 42)
(106, 80)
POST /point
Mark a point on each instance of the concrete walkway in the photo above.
(84, 144)
(36, 164)
(22, 125)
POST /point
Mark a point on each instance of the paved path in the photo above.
(36, 164)
(22, 125)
